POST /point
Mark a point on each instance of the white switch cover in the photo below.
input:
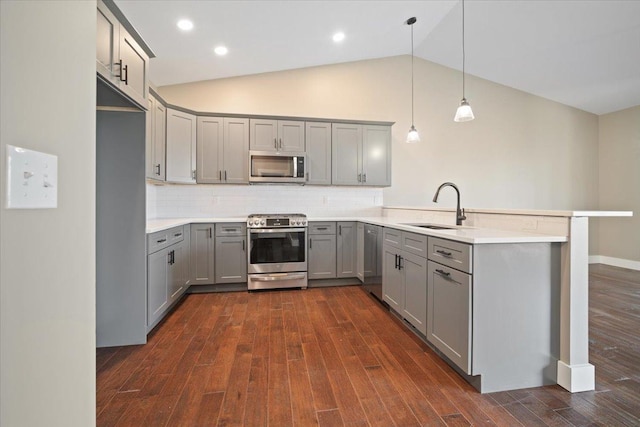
(32, 179)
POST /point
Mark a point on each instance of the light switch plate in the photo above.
(32, 179)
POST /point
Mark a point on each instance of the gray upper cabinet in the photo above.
(231, 253)
(376, 155)
(181, 147)
(346, 247)
(119, 58)
(108, 42)
(361, 154)
(277, 135)
(202, 254)
(222, 150)
(318, 144)
(156, 140)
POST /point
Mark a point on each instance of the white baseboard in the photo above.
(616, 262)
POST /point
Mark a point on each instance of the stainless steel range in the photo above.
(277, 255)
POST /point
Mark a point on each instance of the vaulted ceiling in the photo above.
(583, 53)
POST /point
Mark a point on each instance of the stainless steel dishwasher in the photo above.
(373, 260)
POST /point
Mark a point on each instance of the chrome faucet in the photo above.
(459, 212)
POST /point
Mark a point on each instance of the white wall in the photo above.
(620, 186)
(47, 274)
(522, 151)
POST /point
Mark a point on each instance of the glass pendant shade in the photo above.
(413, 136)
(464, 112)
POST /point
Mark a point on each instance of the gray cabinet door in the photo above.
(107, 42)
(318, 144)
(133, 75)
(181, 147)
(449, 313)
(263, 135)
(178, 271)
(376, 155)
(157, 284)
(415, 290)
(392, 279)
(202, 254)
(346, 262)
(322, 256)
(346, 154)
(360, 250)
(236, 151)
(291, 136)
(156, 139)
(209, 150)
(231, 259)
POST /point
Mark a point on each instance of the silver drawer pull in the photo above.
(161, 241)
(177, 235)
(445, 253)
(284, 276)
(442, 272)
(322, 228)
(229, 229)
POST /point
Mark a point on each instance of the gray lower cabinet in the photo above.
(360, 251)
(404, 281)
(202, 254)
(231, 253)
(449, 321)
(167, 271)
(346, 250)
(322, 256)
(322, 250)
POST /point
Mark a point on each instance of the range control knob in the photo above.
(262, 222)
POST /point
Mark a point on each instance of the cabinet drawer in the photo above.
(392, 237)
(176, 235)
(161, 239)
(453, 254)
(231, 229)
(322, 228)
(415, 243)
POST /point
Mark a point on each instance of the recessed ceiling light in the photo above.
(338, 37)
(221, 50)
(185, 25)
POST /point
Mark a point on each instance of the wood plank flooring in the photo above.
(334, 356)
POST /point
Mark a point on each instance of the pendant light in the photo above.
(464, 113)
(413, 136)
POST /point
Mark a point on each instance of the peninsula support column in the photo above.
(575, 373)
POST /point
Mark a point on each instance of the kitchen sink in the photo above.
(432, 226)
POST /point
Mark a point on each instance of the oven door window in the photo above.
(277, 247)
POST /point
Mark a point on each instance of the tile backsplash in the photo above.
(203, 201)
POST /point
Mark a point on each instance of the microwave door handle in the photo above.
(295, 166)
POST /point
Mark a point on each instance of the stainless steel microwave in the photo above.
(266, 166)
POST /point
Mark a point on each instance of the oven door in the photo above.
(276, 250)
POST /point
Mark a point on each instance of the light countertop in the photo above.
(464, 234)
(534, 212)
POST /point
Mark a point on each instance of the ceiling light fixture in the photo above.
(338, 37)
(221, 50)
(413, 136)
(463, 113)
(185, 25)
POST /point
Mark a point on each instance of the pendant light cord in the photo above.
(463, 56)
(411, 74)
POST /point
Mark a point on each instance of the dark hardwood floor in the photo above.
(334, 357)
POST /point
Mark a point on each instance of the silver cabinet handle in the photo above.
(307, 177)
(158, 169)
(340, 230)
(310, 244)
(161, 241)
(243, 245)
(280, 145)
(400, 259)
(193, 174)
(210, 232)
(443, 273)
(220, 175)
(364, 177)
(225, 175)
(445, 253)
(322, 228)
(177, 235)
(359, 177)
(275, 143)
